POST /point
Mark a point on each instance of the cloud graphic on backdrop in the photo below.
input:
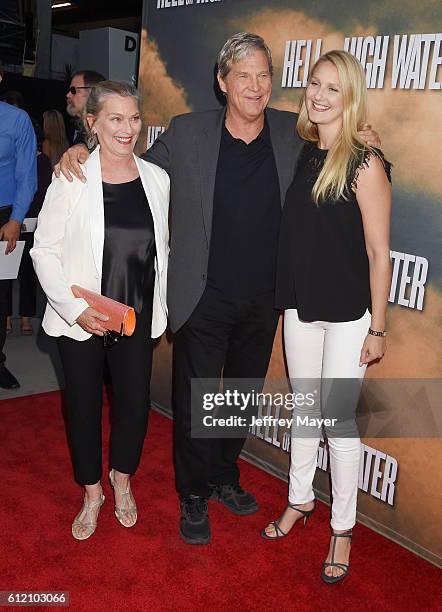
(278, 26)
(397, 114)
(386, 15)
(162, 97)
(414, 142)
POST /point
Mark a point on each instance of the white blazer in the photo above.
(69, 240)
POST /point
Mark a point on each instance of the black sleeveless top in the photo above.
(323, 268)
(129, 245)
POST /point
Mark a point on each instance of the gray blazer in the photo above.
(188, 151)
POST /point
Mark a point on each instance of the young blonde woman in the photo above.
(333, 282)
(55, 142)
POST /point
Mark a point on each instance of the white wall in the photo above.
(110, 51)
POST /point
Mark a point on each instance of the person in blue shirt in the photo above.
(18, 184)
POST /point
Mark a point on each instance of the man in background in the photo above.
(18, 183)
(76, 97)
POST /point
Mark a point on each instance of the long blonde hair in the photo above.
(55, 133)
(348, 147)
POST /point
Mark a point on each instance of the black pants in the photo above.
(234, 334)
(3, 307)
(5, 288)
(27, 280)
(130, 365)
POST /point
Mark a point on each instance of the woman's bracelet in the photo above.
(372, 332)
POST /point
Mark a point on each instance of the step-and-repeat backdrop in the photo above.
(400, 46)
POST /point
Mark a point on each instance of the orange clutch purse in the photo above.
(122, 319)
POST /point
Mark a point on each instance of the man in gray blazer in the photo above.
(229, 171)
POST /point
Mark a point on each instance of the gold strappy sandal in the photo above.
(83, 520)
(128, 507)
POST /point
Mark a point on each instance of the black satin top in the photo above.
(129, 245)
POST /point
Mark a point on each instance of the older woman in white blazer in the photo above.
(108, 234)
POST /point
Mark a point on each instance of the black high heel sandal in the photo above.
(279, 533)
(343, 566)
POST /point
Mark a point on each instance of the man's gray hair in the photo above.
(239, 46)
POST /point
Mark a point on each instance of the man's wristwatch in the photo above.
(373, 332)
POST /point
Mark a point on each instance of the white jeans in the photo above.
(324, 350)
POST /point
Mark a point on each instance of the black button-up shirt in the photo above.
(246, 217)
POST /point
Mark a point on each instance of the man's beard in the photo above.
(71, 111)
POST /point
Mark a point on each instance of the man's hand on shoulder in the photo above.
(369, 136)
(70, 162)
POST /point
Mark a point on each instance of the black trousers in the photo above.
(5, 288)
(3, 308)
(130, 365)
(27, 281)
(233, 336)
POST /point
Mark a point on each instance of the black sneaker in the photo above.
(8, 380)
(194, 522)
(235, 499)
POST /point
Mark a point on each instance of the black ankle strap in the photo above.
(303, 512)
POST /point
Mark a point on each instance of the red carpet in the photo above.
(149, 567)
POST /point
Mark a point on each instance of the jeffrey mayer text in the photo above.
(267, 421)
(301, 421)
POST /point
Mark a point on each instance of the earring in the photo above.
(92, 141)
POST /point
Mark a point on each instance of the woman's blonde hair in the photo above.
(55, 133)
(97, 97)
(348, 147)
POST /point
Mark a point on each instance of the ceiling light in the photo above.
(61, 5)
